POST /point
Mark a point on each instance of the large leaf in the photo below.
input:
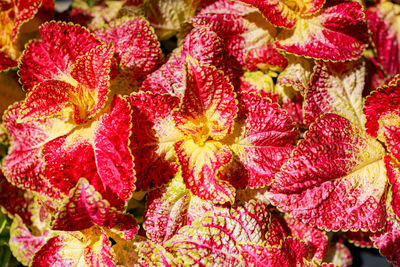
(153, 137)
(136, 47)
(337, 33)
(208, 107)
(23, 166)
(99, 152)
(383, 115)
(335, 178)
(283, 13)
(265, 142)
(51, 58)
(85, 90)
(333, 92)
(88, 248)
(246, 35)
(212, 238)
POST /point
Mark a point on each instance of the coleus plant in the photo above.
(267, 137)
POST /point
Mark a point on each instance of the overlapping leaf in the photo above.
(348, 192)
(167, 17)
(101, 151)
(359, 238)
(337, 33)
(88, 248)
(23, 165)
(23, 243)
(136, 46)
(387, 240)
(339, 254)
(166, 211)
(205, 116)
(285, 13)
(201, 44)
(170, 208)
(263, 84)
(383, 23)
(86, 207)
(265, 142)
(153, 137)
(13, 14)
(208, 107)
(201, 169)
(383, 115)
(95, 14)
(15, 201)
(213, 238)
(54, 56)
(332, 92)
(316, 239)
(297, 75)
(85, 92)
(247, 37)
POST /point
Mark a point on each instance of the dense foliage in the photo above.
(188, 132)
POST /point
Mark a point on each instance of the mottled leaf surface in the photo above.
(348, 191)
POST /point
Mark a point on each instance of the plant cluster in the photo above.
(188, 132)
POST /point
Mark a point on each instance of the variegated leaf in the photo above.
(393, 172)
(201, 44)
(383, 23)
(359, 238)
(339, 93)
(316, 239)
(283, 13)
(339, 255)
(297, 75)
(99, 152)
(208, 107)
(335, 178)
(212, 239)
(23, 243)
(15, 201)
(136, 47)
(337, 33)
(290, 252)
(201, 169)
(13, 14)
(265, 142)
(88, 248)
(170, 208)
(50, 58)
(153, 137)
(86, 207)
(387, 240)
(383, 115)
(23, 166)
(247, 38)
